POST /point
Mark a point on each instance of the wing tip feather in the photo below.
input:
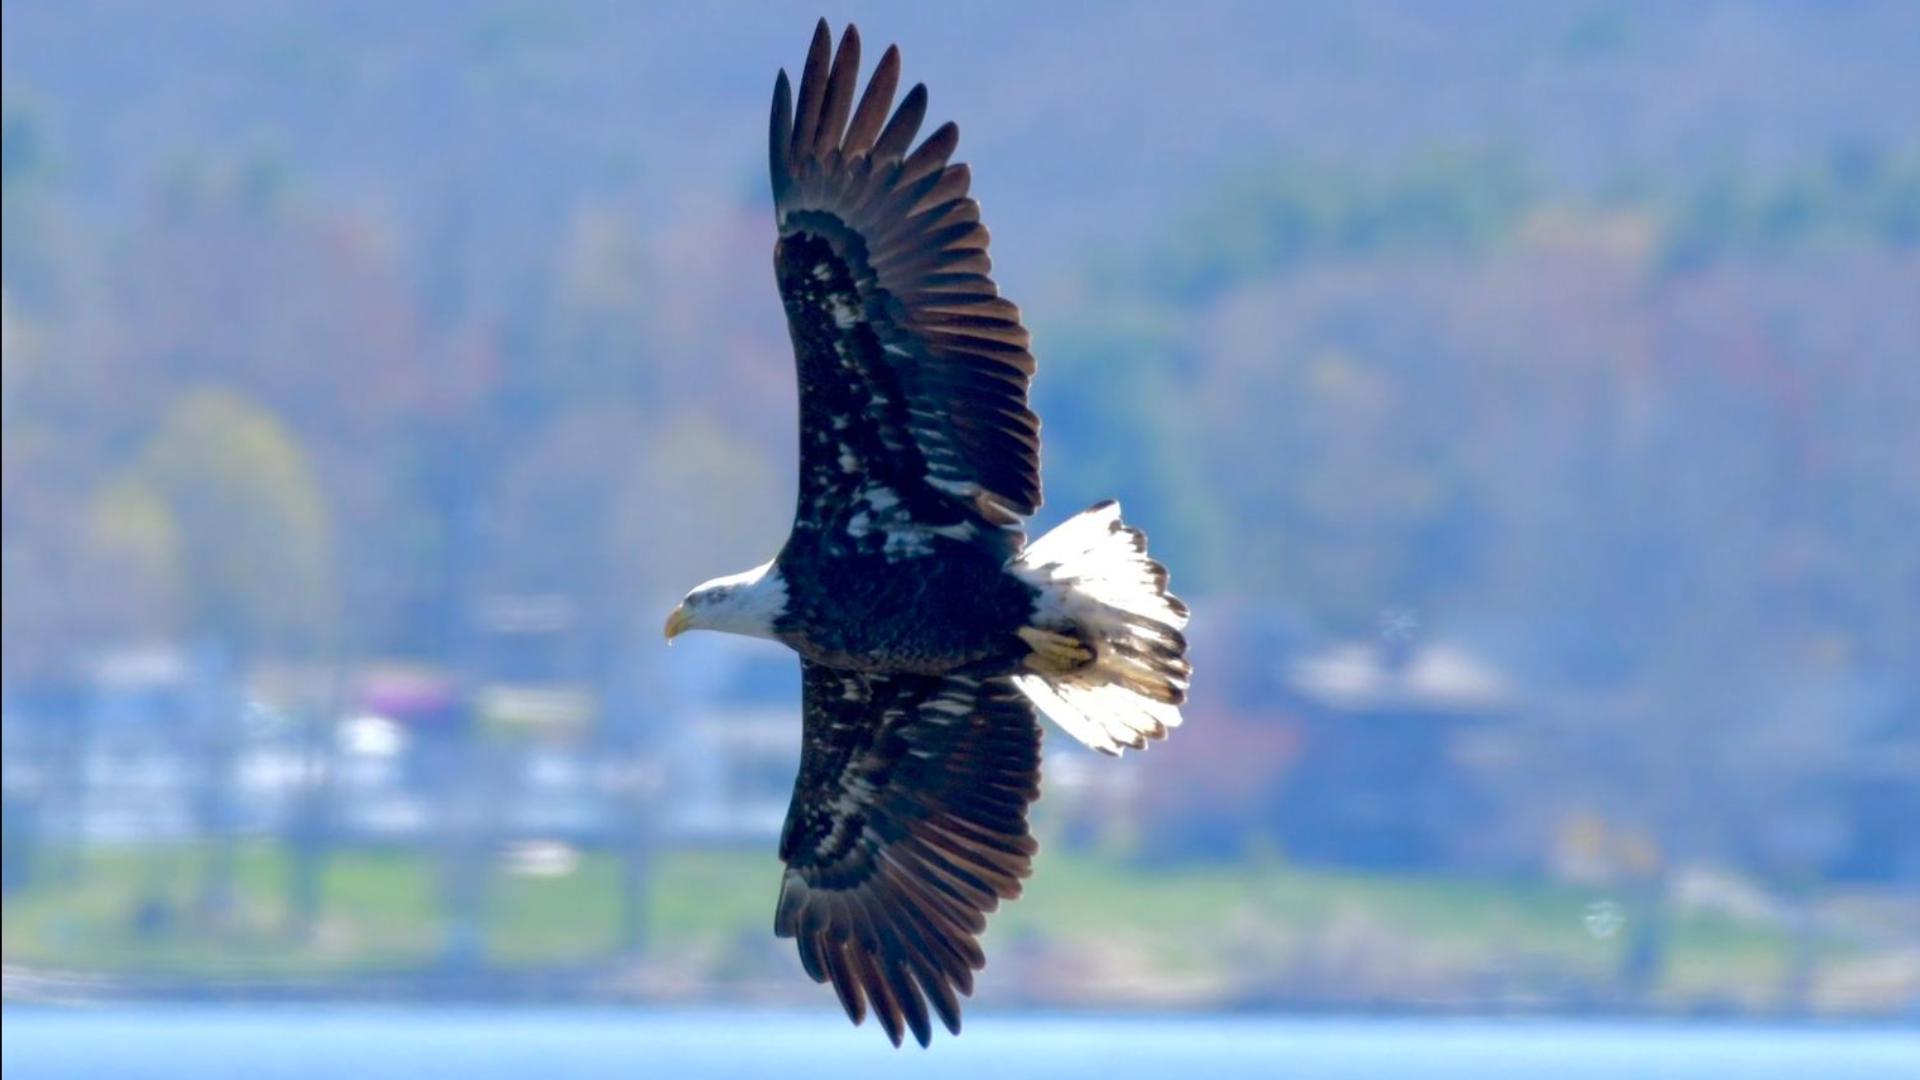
(875, 923)
(908, 203)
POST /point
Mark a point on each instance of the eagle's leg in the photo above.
(1054, 653)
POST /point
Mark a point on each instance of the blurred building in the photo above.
(732, 746)
(1879, 797)
(1382, 776)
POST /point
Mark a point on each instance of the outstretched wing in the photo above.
(908, 825)
(913, 369)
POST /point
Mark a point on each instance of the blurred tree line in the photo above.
(1652, 446)
(1655, 443)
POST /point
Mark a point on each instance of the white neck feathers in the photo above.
(745, 603)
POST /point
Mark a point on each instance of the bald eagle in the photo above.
(928, 629)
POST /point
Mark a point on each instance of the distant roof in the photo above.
(404, 692)
(1368, 675)
(143, 666)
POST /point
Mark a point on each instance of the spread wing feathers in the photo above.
(908, 825)
(901, 337)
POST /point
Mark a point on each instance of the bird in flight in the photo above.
(929, 630)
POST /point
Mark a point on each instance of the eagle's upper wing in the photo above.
(913, 370)
(908, 824)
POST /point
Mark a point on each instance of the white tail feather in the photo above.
(1097, 583)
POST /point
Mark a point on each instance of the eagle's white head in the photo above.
(744, 603)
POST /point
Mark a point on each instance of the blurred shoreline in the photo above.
(32, 988)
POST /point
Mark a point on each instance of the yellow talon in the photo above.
(1054, 654)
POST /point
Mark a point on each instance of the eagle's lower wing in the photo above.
(908, 825)
(913, 369)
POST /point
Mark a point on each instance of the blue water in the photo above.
(303, 1043)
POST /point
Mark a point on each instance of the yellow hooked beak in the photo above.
(678, 621)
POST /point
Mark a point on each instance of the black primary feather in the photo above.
(913, 369)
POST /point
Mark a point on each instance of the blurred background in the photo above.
(1526, 396)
